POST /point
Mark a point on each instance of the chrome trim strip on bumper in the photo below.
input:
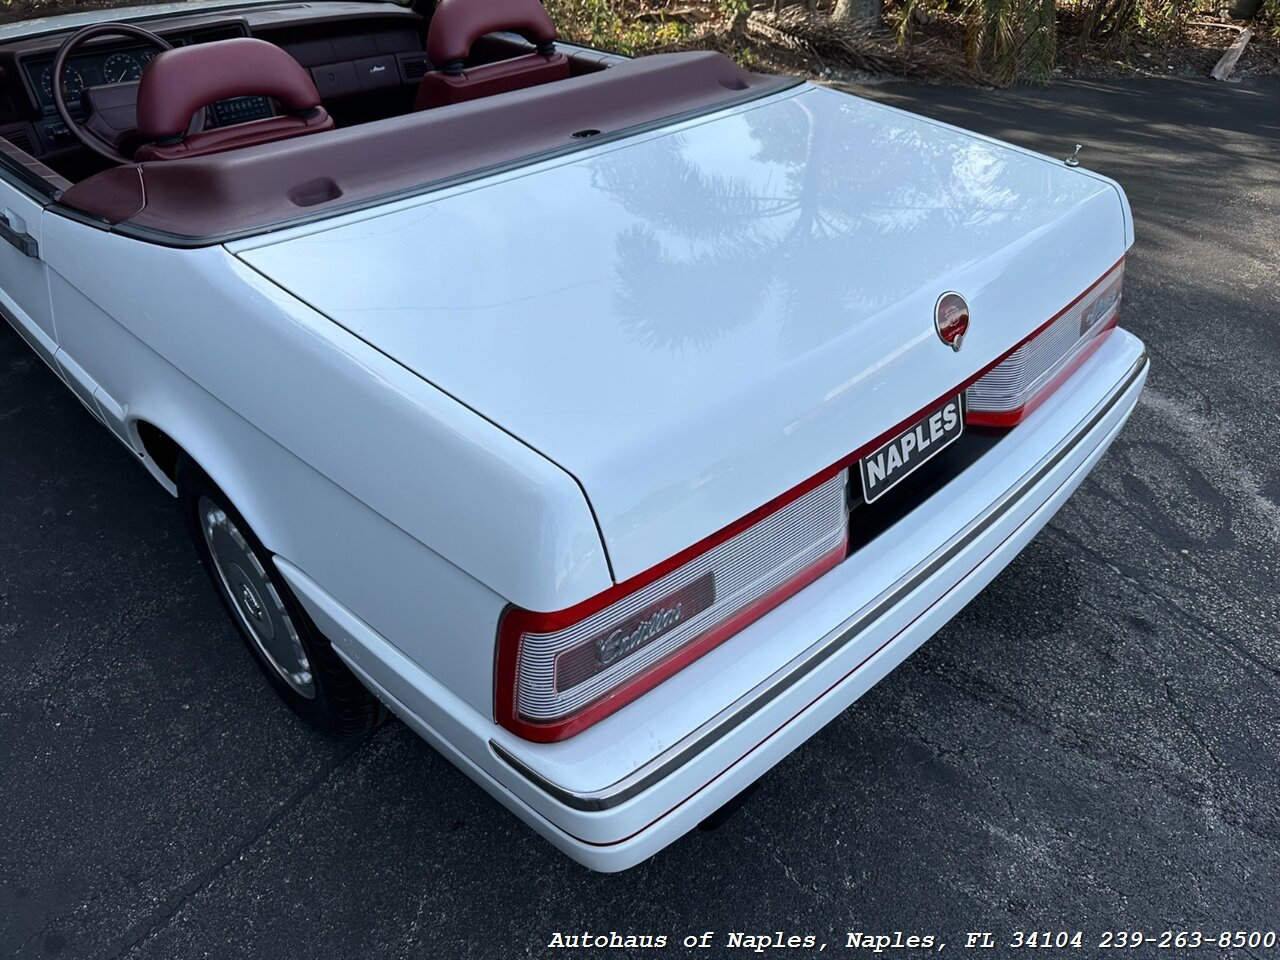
(697, 741)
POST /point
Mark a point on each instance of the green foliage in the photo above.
(600, 23)
(1019, 40)
(1005, 41)
(1040, 43)
(1162, 19)
(1011, 39)
(1105, 21)
(1271, 16)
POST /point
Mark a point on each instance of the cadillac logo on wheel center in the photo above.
(951, 319)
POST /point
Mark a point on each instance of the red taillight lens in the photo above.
(1007, 393)
(561, 672)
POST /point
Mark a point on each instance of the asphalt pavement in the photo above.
(1093, 744)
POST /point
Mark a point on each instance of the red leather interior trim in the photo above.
(208, 199)
(240, 135)
(441, 89)
(457, 24)
(181, 81)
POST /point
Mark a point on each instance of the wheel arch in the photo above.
(160, 452)
(165, 438)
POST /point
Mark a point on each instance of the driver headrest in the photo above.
(181, 81)
(457, 24)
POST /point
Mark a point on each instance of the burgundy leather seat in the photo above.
(457, 24)
(182, 81)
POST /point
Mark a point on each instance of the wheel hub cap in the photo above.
(262, 614)
(252, 605)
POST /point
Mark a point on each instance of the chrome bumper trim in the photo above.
(683, 750)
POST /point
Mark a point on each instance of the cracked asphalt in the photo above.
(1093, 744)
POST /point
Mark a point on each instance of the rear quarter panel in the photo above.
(416, 514)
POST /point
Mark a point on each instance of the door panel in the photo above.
(24, 284)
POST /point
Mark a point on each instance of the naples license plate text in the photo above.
(928, 436)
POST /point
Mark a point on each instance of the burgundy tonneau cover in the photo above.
(212, 199)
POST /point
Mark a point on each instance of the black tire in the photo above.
(338, 704)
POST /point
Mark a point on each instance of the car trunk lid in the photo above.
(694, 320)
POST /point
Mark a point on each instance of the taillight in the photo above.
(558, 673)
(1007, 393)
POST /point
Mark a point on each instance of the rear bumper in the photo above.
(619, 792)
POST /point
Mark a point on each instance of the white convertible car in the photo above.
(615, 423)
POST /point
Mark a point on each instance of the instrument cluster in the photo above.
(108, 65)
(88, 70)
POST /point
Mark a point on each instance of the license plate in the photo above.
(894, 462)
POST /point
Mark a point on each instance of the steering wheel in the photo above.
(96, 133)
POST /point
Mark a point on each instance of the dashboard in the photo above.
(122, 63)
(365, 58)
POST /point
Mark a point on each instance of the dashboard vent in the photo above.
(414, 66)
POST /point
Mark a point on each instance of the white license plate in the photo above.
(931, 434)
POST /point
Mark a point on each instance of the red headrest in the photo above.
(457, 24)
(181, 81)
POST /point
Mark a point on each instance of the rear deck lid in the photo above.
(693, 320)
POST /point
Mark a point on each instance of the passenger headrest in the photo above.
(457, 24)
